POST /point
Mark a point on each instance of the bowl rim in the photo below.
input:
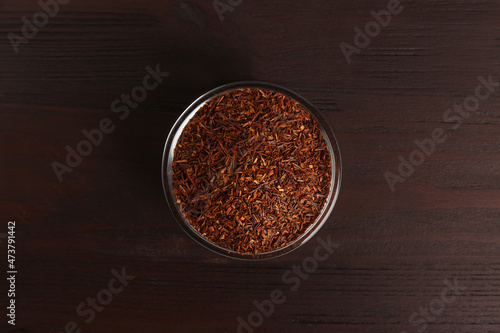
(176, 131)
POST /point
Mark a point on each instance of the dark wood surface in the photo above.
(396, 249)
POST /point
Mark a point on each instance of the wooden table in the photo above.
(97, 249)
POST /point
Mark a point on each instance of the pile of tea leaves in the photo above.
(251, 170)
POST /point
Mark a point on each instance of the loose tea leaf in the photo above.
(251, 170)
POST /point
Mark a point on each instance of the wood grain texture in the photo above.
(396, 250)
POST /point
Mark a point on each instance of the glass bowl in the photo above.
(168, 156)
